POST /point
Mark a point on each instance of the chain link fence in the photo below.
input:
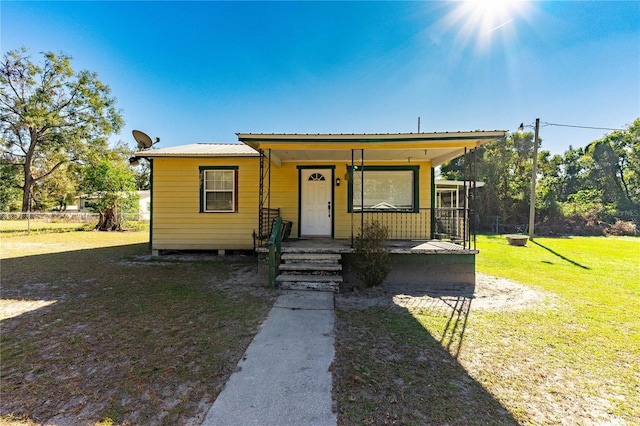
(27, 222)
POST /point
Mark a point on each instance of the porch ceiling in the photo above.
(434, 147)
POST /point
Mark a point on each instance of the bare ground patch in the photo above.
(437, 356)
(108, 334)
(489, 293)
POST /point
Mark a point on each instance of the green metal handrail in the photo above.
(275, 247)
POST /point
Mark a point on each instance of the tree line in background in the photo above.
(590, 190)
(55, 124)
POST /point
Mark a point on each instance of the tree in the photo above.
(143, 175)
(505, 167)
(51, 115)
(110, 184)
(9, 188)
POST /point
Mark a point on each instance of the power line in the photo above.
(580, 127)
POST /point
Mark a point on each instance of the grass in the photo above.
(128, 339)
(22, 227)
(131, 340)
(570, 359)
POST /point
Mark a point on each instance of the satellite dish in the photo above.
(143, 140)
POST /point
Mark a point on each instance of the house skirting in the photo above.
(415, 270)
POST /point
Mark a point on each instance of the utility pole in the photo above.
(534, 175)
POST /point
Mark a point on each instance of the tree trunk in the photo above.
(108, 220)
(27, 189)
(29, 181)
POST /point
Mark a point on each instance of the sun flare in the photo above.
(482, 20)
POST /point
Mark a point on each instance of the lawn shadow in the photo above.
(560, 256)
(130, 338)
(450, 301)
(390, 369)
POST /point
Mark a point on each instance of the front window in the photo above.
(385, 189)
(218, 190)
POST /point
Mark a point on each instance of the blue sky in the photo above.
(201, 71)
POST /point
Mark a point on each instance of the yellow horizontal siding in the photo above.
(177, 221)
(178, 224)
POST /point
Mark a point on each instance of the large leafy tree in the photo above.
(505, 167)
(9, 184)
(51, 115)
(600, 180)
(615, 165)
(110, 184)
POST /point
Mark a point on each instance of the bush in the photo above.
(623, 228)
(371, 258)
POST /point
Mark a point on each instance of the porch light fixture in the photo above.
(337, 181)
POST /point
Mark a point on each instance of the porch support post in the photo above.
(474, 206)
(269, 183)
(465, 212)
(351, 201)
(432, 224)
(256, 238)
(361, 190)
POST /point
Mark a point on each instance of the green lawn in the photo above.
(95, 330)
(23, 226)
(572, 359)
(20, 227)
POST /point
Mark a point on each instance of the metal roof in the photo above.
(368, 137)
(202, 150)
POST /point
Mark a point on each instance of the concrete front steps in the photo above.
(310, 271)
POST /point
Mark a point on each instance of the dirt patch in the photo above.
(489, 293)
(129, 340)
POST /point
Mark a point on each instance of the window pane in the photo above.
(384, 190)
(219, 201)
(217, 180)
(226, 179)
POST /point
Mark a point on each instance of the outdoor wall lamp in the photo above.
(337, 181)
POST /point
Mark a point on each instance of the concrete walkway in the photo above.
(284, 378)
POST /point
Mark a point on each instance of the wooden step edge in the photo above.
(309, 278)
(310, 267)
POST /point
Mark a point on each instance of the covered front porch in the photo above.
(317, 192)
(330, 185)
(327, 263)
(344, 246)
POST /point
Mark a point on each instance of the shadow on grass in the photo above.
(134, 341)
(555, 253)
(391, 369)
(451, 302)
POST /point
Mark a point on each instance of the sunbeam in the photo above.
(479, 21)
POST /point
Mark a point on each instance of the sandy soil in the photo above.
(489, 293)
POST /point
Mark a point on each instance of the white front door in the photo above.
(316, 210)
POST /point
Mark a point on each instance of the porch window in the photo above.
(392, 189)
(218, 189)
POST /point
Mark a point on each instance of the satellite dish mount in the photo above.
(143, 140)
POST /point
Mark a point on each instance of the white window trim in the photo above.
(205, 191)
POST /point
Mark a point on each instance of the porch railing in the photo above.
(266, 220)
(452, 224)
(275, 248)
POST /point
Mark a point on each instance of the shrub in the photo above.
(622, 227)
(371, 258)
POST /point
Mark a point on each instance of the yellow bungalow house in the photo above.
(224, 196)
